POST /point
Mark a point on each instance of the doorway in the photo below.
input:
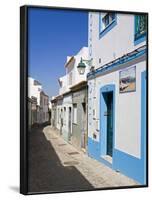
(108, 96)
(84, 126)
(61, 121)
(107, 121)
(69, 124)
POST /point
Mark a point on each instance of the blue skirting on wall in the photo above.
(123, 162)
(127, 164)
(94, 152)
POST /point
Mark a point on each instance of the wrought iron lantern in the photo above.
(81, 67)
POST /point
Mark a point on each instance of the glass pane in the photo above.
(140, 25)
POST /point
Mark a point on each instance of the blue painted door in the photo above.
(109, 123)
(107, 119)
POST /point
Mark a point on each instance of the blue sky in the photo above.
(54, 35)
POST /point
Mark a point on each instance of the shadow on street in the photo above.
(46, 173)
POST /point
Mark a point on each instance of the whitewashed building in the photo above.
(66, 112)
(35, 91)
(32, 112)
(117, 92)
(44, 107)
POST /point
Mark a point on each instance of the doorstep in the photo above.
(107, 158)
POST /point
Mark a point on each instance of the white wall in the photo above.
(50, 105)
(127, 111)
(64, 88)
(58, 114)
(44, 106)
(67, 102)
(84, 54)
(114, 44)
(34, 90)
(72, 68)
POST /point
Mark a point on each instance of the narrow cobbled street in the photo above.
(55, 165)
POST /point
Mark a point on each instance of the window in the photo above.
(75, 113)
(106, 22)
(108, 19)
(140, 26)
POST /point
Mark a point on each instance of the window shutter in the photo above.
(136, 23)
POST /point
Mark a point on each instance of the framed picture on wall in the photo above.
(128, 80)
(77, 132)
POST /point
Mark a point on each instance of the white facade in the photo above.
(115, 43)
(64, 86)
(65, 112)
(44, 108)
(65, 109)
(108, 43)
(50, 105)
(127, 112)
(34, 89)
(59, 116)
(72, 76)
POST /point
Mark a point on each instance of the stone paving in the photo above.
(55, 165)
(97, 174)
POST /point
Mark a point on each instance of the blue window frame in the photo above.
(106, 23)
(140, 27)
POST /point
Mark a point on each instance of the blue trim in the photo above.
(106, 162)
(103, 119)
(93, 148)
(100, 24)
(108, 28)
(143, 124)
(128, 165)
(140, 39)
(94, 152)
(97, 149)
(120, 61)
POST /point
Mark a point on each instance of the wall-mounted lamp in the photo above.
(81, 66)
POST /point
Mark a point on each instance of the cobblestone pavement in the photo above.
(55, 165)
